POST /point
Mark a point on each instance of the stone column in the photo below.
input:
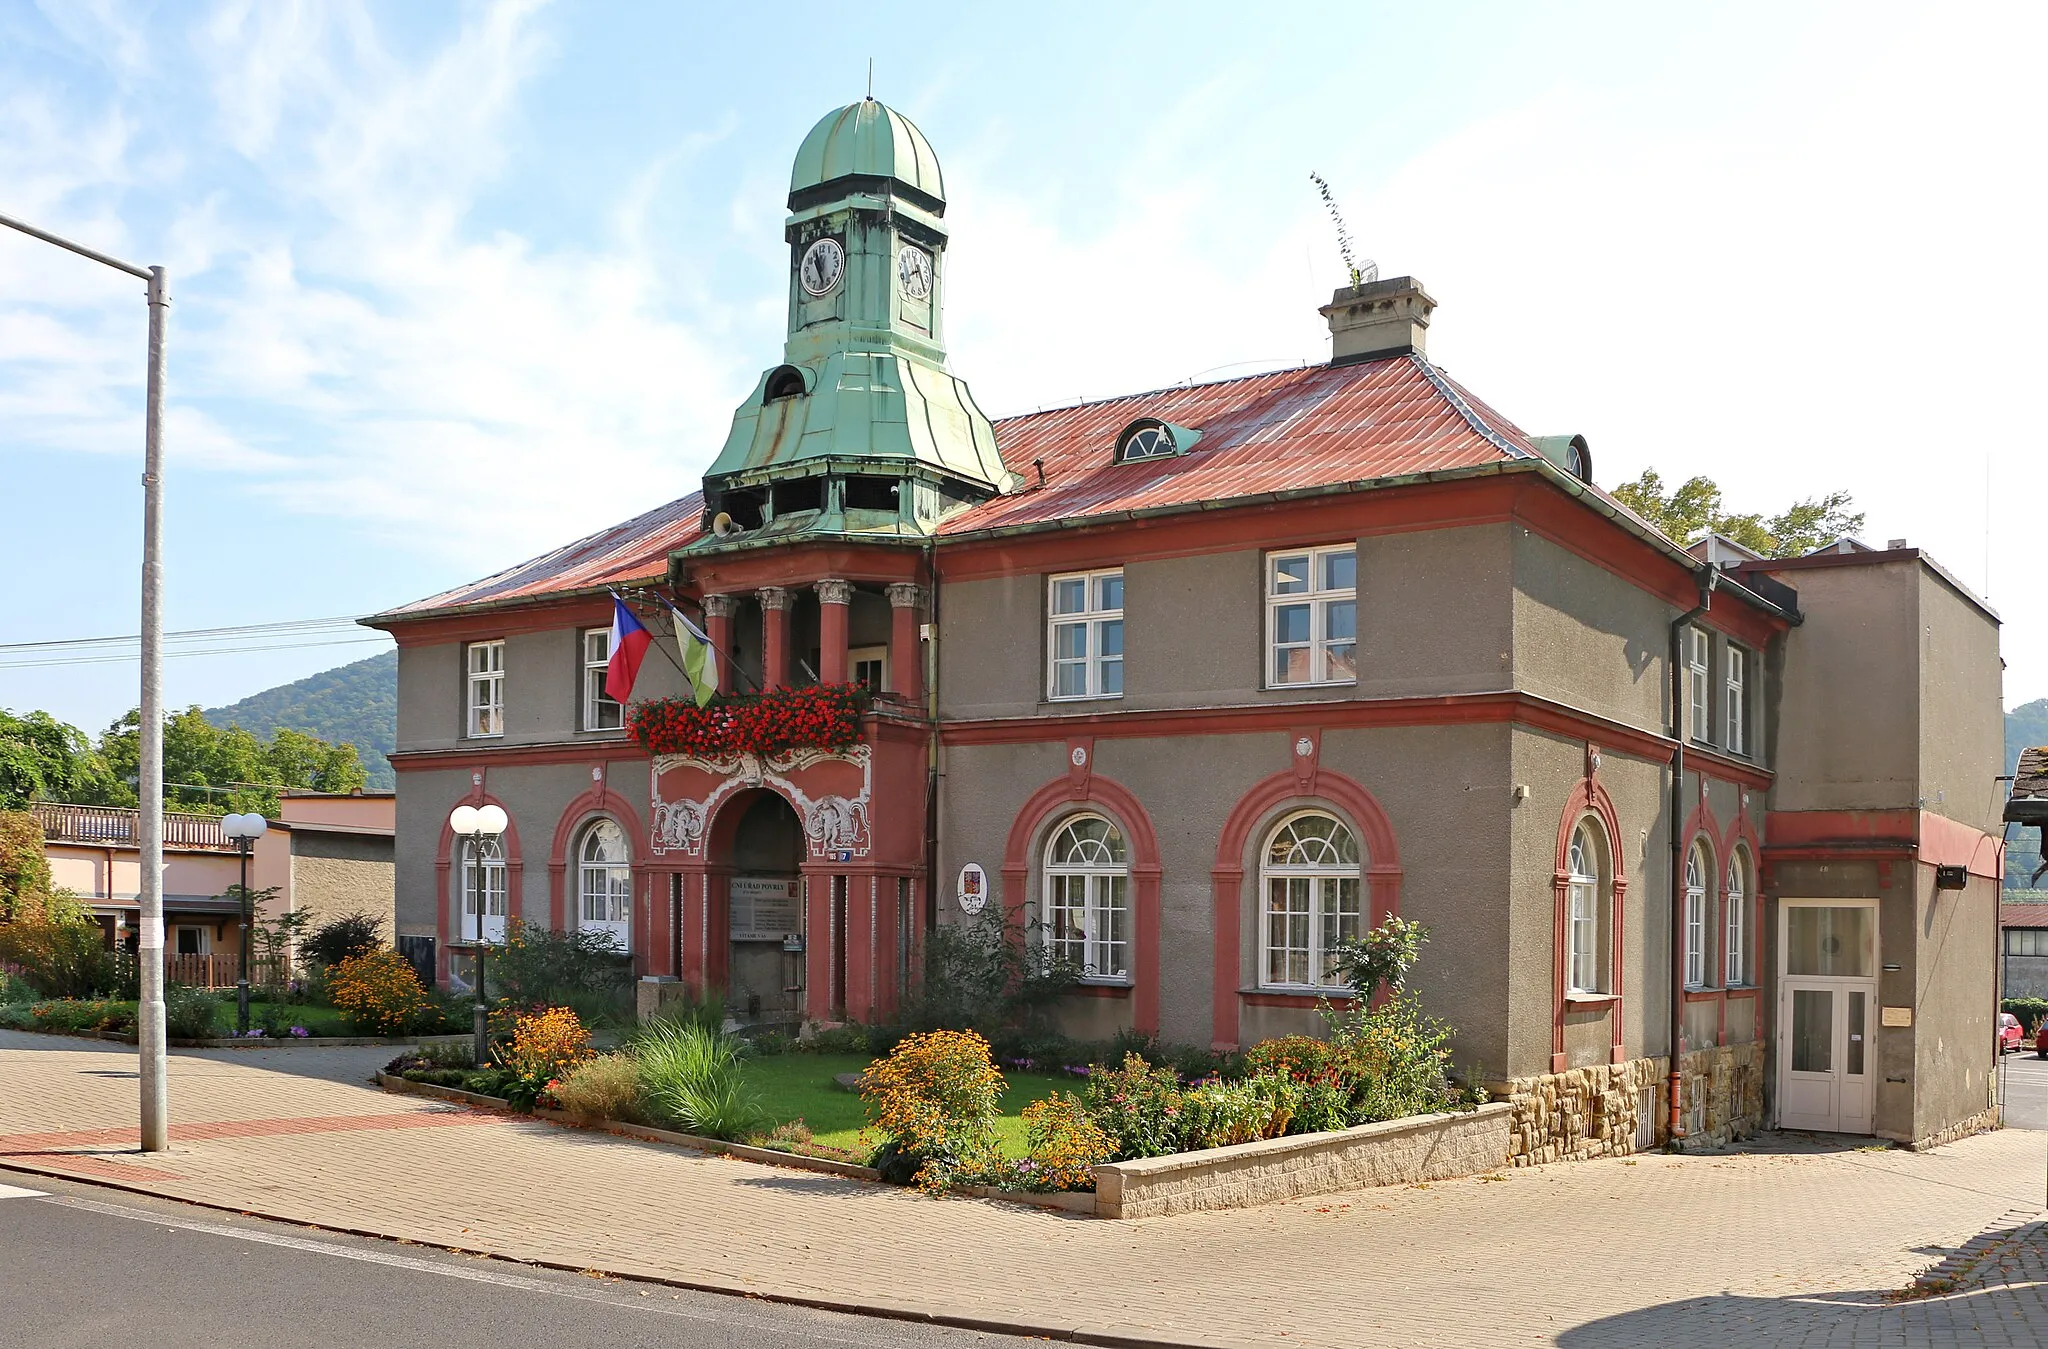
(718, 612)
(834, 597)
(906, 651)
(775, 606)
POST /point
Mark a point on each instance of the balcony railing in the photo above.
(121, 827)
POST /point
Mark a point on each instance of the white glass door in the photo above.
(1826, 1015)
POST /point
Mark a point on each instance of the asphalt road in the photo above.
(101, 1269)
(2025, 1091)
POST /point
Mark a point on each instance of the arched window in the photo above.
(1737, 901)
(1309, 875)
(1697, 869)
(604, 882)
(1585, 913)
(483, 884)
(1087, 897)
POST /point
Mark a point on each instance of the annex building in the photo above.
(1207, 679)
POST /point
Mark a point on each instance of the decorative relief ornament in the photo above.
(1080, 756)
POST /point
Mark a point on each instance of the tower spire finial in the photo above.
(871, 79)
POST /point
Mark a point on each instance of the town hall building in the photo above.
(1201, 682)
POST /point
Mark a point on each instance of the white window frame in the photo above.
(1094, 620)
(484, 689)
(1699, 658)
(1584, 895)
(1320, 883)
(1697, 869)
(1736, 902)
(1102, 915)
(601, 712)
(201, 936)
(1320, 599)
(495, 897)
(1735, 713)
(877, 656)
(604, 886)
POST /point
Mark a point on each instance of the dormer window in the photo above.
(785, 381)
(1150, 438)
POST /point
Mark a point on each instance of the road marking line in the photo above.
(14, 1192)
(413, 1263)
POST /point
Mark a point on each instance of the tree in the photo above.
(213, 770)
(44, 759)
(1693, 509)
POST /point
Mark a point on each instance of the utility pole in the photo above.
(149, 1017)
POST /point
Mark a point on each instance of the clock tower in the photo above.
(861, 430)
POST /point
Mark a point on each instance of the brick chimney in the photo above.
(1378, 319)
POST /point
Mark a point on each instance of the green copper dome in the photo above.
(870, 139)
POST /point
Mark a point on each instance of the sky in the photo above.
(454, 284)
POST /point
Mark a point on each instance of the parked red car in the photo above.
(2041, 1039)
(2012, 1035)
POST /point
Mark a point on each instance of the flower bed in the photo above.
(814, 716)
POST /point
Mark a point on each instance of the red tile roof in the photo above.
(1315, 426)
(2023, 915)
(636, 550)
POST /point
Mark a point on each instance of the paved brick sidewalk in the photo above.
(1784, 1247)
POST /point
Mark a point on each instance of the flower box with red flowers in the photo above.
(812, 716)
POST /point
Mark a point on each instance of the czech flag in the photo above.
(628, 647)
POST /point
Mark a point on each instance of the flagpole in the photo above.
(704, 635)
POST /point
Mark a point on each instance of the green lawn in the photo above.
(800, 1086)
(319, 1020)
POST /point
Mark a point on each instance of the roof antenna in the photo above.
(1360, 271)
(871, 79)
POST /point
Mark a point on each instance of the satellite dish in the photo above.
(724, 526)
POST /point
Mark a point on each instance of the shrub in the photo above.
(705, 1008)
(841, 1040)
(1064, 1144)
(70, 1015)
(61, 954)
(606, 1087)
(585, 970)
(190, 1014)
(545, 1046)
(987, 976)
(354, 934)
(15, 991)
(690, 1079)
(1218, 1114)
(379, 994)
(936, 1098)
(1403, 1060)
(1138, 1106)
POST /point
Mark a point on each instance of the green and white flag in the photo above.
(700, 658)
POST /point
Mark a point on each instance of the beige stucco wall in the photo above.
(1962, 721)
(1848, 730)
(1586, 637)
(543, 691)
(333, 875)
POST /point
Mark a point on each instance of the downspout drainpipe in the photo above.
(1708, 577)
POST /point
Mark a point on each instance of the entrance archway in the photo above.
(764, 920)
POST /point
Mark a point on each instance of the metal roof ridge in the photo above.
(1449, 393)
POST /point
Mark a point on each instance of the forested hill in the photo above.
(355, 703)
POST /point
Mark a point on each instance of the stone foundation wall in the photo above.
(1975, 1124)
(1597, 1111)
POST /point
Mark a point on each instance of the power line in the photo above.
(345, 621)
(200, 651)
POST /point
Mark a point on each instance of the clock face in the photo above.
(822, 263)
(914, 268)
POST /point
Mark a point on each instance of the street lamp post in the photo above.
(479, 826)
(244, 830)
(149, 1017)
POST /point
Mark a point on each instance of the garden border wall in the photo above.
(1393, 1152)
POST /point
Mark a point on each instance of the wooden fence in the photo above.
(216, 971)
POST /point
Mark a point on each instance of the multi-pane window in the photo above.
(1086, 612)
(2026, 941)
(1312, 616)
(604, 888)
(600, 711)
(869, 665)
(1696, 873)
(1737, 902)
(483, 887)
(1310, 878)
(1582, 934)
(1700, 647)
(486, 701)
(1087, 897)
(1735, 719)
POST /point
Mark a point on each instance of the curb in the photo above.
(877, 1310)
